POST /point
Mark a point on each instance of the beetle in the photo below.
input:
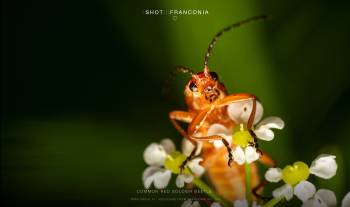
(207, 100)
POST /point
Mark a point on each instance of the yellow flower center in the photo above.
(174, 161)
(296, 173)
(241, 136)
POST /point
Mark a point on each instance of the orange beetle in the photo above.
(207, 101)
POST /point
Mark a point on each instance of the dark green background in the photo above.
(82, 86)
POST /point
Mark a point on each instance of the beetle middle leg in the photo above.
(183, 116)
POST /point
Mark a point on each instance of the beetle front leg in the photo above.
(186, 117)
(234, 98)
(183, 116)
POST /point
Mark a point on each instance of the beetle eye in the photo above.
(214, 75)
(193, 87)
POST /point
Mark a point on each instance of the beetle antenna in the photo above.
(168, 82)
(185, 70)
(226, 29)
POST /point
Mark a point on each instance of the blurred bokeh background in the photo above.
(86, 87)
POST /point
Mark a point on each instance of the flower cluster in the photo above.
(244, 151)
(295, 178)
(163, 160)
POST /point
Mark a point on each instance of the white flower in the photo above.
(195, 168)
(155, 156)
(244, 203)
(249, 155)
(240, 112)
(240, 155)
(322, 198)
(324, 166)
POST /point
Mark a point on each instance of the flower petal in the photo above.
(304, 190)
(221, 130)
(182, 179)
(238, 155)
(148, 175)
(240, 203)
(272, 122)
(240, 111)
(154, 154)
(327, 196)
(195, 167)
(162, 178)
(168, 145)
(322, 198)
(346, 200)
(251, 155)
(187, 147)
(324, 166)
(216, 128)
(285, 191)
(273, 175)
(180, 183)
(190, 203)
(263, 129)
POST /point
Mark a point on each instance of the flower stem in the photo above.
(211, 193)
(248, 182)
(272, 202)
